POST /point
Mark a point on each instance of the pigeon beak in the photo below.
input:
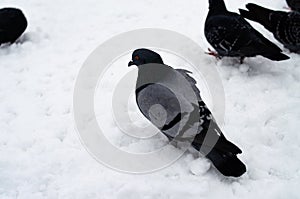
(131, 63)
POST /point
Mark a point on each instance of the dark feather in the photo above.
(285, 26)
(12, 24)
(294, 4)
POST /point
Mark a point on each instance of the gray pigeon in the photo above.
(170, 99)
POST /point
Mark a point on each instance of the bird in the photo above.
(294, 4)
(13, 23)
(232, 36)
(170, 99)
(285, 26)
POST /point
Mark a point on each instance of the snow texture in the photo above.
(41, 155)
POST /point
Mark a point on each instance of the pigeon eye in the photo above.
(136, 58)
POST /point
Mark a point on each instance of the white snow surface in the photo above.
(41, 155)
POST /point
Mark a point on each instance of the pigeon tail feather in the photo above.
(258, 14)
(228, 164)
(276, 57)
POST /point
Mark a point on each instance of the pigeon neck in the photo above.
(152, 74)
(217, 6)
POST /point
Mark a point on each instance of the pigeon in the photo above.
(12, 24)
(170, 99)
(294, 4)
(232, 36)
(285, 26)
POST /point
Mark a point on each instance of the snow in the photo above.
(41, 155)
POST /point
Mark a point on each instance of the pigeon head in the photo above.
(217, 6)
(145, 56)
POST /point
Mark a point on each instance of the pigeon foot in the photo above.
(213, 53)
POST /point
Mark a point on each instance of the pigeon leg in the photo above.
(213, 53)
(242, 60)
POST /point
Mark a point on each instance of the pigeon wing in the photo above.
(289, 30)
(226, 39)
(237, 38)
(159, 105)
(191, 80)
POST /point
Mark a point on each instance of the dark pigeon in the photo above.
(231, 35)
(285, 26)
(294, 4)
(12, 24)
(160, 87)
